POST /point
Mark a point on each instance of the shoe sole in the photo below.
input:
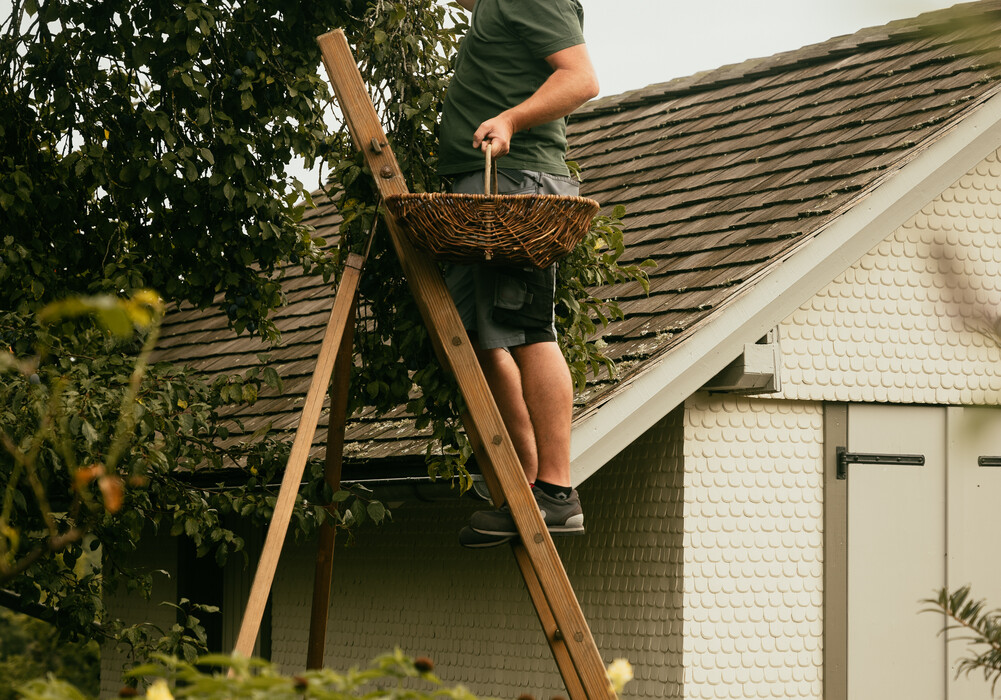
(468, 537)
(574, 529)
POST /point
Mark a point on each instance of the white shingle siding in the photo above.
(753, 548)
(901, 326)
(409, 584)
(701, 565)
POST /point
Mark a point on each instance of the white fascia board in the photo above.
(602, 433)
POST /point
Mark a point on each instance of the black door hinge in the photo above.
(845, 458)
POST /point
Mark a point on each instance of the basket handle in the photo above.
(490, 169)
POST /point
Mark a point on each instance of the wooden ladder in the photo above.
(562, 620)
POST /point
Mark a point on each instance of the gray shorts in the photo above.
(506, 306)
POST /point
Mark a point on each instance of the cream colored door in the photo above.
(974, 520)
(896, 555)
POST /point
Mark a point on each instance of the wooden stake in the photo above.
(486, 430)
(335, 457)
(341, 315)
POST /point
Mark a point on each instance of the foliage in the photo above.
(979, 627)
(115, 442)
(578, 312)
(185, 639)
(30, 648)
(144, 145)
(389, 676)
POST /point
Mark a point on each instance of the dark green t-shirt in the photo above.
(501, 63)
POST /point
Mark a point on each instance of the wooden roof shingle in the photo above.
(724, 175)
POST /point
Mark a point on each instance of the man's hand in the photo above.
(497, 131)
(572, 83)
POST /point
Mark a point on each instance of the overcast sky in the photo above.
(634, 43)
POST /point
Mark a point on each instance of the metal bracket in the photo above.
(845, 458)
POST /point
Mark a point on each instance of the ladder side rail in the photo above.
(340, 315)
(454, 350)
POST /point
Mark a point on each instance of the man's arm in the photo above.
(468, 4)
(572, 83)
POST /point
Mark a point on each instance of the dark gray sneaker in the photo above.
(469, 537)
(563, 516)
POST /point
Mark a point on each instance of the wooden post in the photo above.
(341, 315)
(493, 446)
(335, 457)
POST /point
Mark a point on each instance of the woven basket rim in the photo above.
(489, 197)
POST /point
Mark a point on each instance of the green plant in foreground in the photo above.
(392, 675)
(389, 676)
(980, 628)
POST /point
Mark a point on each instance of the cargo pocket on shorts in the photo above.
(523, 297)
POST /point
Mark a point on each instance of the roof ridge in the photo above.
(835, 47)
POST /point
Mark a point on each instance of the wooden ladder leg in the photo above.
(341, 316)
(486, 429)
(554, 636)
(335, 457)
(571, 679)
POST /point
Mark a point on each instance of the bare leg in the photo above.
(534, 393)
(548, 395)
(504, 378)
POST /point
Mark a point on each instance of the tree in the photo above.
(144, 145)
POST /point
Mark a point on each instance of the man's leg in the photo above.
(548, 397)
(534, 392)
(505, 380)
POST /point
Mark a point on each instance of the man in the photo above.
(521, 69)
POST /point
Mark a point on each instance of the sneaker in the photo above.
(563, 516)
(468, 537)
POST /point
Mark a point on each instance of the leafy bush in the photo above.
(389, 677)
(30, 648)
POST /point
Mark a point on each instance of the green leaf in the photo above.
(376, 511)
(88, 432)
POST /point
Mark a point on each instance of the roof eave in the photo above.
(601, 433)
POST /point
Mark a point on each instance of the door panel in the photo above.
(896, 546)
(974, 520)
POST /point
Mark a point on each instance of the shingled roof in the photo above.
(726, 176)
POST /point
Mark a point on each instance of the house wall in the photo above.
(753, 543)
(916, 320)
(158, 553)
(410, 584)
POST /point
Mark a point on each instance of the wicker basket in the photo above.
(521, 229)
